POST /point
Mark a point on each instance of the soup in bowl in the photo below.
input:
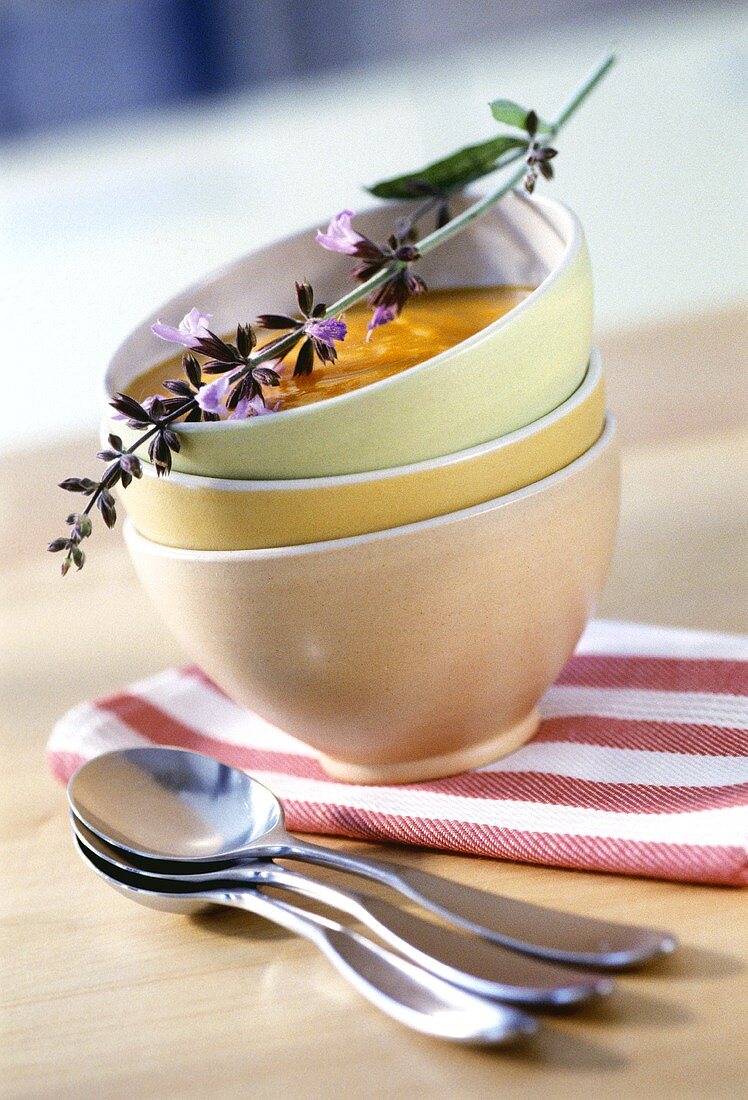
(520, 313)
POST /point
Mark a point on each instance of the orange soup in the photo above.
(430, 323)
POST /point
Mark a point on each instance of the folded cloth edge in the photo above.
(725, 864)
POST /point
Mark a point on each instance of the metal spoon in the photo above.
(468, 961)
(402, 990)
(182, 812)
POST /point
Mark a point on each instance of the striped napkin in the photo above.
(640, 765)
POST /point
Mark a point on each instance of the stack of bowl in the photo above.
(395, 575)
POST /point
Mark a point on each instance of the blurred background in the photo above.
(144, 141)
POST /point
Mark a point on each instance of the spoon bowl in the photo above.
(173, 805)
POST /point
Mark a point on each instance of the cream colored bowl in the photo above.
(410, 653)
(504, 377)
(198, 513)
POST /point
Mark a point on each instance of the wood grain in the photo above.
(101, 998)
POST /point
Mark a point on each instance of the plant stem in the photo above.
(278, 348)
(483, 205)
(281, 346)
(432, 241)
(597, 74)
(467, 216)
(455, 225)
(110, 479)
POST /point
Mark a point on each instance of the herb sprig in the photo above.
(385, 277)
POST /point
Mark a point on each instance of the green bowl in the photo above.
(506, 376)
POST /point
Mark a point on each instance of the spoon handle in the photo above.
(467, 961)
(532, 929)
(399, 988)
(464, 960)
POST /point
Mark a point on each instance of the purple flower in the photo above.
(314, 333)
(382, 316)
(212, 398)
(340, 235)
(326, 331)
(253, 406)
(394, 294)
(192, 328)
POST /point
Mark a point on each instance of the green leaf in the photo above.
(451, 172)
(508, 112)
(511, 114)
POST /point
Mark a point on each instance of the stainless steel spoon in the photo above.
(182, 812)
(468, 961)
(399, 988)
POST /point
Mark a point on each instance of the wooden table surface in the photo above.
(102, 998)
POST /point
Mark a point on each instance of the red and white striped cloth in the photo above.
(640, 765)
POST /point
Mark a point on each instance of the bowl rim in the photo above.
(592, 379)
(155, 549)
(571, 236)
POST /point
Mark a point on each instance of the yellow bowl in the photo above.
(410, 653)
(508, 375)
(199, 513)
